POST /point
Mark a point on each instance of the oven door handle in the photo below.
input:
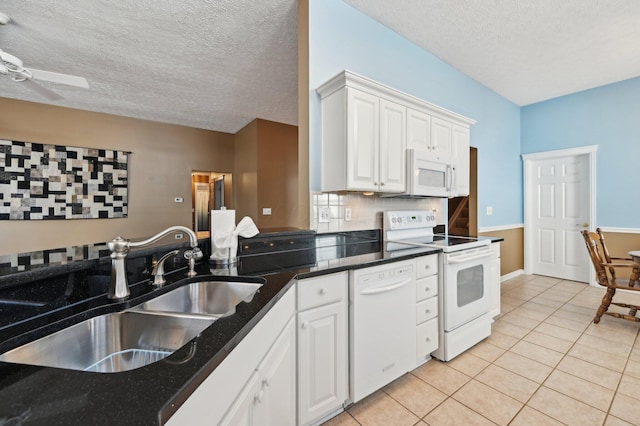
(470, 258)
(385, 289)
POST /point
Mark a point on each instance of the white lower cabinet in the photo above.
(256, 383)
(427, 334)
(269, 396)
(322, 346)
(246, 409)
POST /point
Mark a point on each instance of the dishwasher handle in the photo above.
(387, 288)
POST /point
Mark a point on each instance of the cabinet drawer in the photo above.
(318, 291)
(426, 338)
(426, 288)
(426, 310)
(427, 265)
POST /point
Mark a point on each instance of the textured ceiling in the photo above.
(527, 51)
(218, 64)
(211, 64)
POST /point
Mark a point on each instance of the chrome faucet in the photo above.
(119, 287)
(158, 269)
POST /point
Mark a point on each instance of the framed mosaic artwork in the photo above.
(41, 181)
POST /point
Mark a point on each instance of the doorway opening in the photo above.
(209, 191)
(463, 211)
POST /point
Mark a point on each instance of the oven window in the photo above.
(470, 285)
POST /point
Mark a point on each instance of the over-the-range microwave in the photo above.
(425, 177)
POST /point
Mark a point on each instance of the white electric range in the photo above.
(464, 279)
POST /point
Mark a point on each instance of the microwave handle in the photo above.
(449, 177)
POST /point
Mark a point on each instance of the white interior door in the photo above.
(559, 205)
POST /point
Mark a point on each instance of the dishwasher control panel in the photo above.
(387, 272)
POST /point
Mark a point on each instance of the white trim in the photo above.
(528, 159)
(621, 230)
(510, 275)
(500, 228)
(545, 155)
(356, 81)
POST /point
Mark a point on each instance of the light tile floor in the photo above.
(545, 363)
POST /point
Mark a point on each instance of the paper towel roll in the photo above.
(223, 223)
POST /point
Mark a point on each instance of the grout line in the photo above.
(517, 285)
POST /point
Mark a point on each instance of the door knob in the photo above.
(584, 225)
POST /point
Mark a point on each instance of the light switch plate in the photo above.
(347, 214)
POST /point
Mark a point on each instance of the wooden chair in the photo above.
(605, 267)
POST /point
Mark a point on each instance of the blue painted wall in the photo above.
(609, 117)
(341, 37)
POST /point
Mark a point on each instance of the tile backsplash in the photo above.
(366, 211)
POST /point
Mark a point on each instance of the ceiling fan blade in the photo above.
(55, 77)
(49, 94)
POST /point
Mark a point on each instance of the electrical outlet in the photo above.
(266, 211)
(489, 211)
(179, 236)
(178, 199)
(324, 214)
(347, 214)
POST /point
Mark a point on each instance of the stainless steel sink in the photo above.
(211, 298)
(111, 343)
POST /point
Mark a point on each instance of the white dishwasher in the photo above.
(382, 326)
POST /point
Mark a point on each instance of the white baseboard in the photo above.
(511, 275)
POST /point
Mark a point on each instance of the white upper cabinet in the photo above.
(363, 141)
(365, 151)
(440, 146)
(367, 128)
(418, 130)
(392, 161)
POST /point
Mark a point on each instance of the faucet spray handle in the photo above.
(193, 255)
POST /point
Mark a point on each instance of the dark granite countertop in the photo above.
(33, 395)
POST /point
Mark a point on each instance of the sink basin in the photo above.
(111, 343)
(211, 298)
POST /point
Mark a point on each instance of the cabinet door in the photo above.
(362, 141)
(245, 410)
(440, 140)
(418, 130)
(460, 160)
(392, 147)
(426, 339)
(322, 361)
(278, 381)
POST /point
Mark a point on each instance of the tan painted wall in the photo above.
(266, 173)
(245, 177)
(511, 249)
(277, 174)
(619, 245)
(304, 203)
(163, 157)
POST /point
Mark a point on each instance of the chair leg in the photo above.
(604, 305)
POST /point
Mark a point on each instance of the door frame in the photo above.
(528, 169)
